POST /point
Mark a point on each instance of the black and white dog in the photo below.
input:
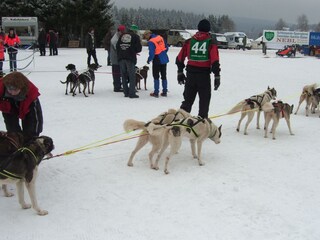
(72, 78)
(86, 78)
(22, 167)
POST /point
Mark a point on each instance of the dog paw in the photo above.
(26, 206)
(42, 212)
(130, 164)
(155, 167)
(201, 163)
(166, 171)
(9, 194)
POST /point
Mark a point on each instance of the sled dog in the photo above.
(85, 79)
(275, 111)
(196, 129)
(22, 167)
(168, 117)
(72, 78)
(9, 143)
(141, 73)
(306, 95)
(251, 105)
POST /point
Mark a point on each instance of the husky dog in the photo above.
(251, 105)
(276, 111)
(306, 94)
(22, 167)
(72, 78)
(196, 129)
(168, 117)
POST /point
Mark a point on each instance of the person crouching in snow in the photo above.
(158, 55)
(19, 100)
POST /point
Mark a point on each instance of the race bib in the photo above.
(199, 50)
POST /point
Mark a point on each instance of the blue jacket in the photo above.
(161, 58)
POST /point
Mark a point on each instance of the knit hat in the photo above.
(204, 26)
(134, 27)
(121, 28)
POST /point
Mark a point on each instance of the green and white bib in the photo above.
(199, 50)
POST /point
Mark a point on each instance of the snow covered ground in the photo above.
(250, 187)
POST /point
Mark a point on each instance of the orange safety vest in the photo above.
(159, 43)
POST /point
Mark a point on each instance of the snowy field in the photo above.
(251, 188)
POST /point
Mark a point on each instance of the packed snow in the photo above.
(250, 187)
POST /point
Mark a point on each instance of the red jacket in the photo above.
(2, 36)
(202, 54)
(5, 105)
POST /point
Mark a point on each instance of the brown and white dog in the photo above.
(21, 167)
(196, 129)
(306, 95)
(275, 111)
(141, 73)
(156, 140)
(251, 105)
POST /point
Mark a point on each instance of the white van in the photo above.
(235, 40)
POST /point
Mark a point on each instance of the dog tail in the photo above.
(152, 129)
(267, 107)
(237, 108)
(132, 125)
(63, 82)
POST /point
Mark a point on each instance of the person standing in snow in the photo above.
(128, 46)
(116, 74)
(12, 42)
(203, 58)
(158, 55)
(91, 44)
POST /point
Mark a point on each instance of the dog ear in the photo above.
(220, 131)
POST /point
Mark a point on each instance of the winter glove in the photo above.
(181, 78)
(216, 82)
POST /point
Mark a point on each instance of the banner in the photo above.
(277, 39)
(314, 38)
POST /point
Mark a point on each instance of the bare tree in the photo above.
(303, 23)
(280, 24)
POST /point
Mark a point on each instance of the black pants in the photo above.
(197, 83)
(94, 55)
(32, 124)
(42, 49)
(116, 74)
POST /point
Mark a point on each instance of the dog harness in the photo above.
(11, 140)
(11, 175)
(188, 125)
(258, 99)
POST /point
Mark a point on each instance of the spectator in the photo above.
(203, 58)
(158, 55)
(42, 41)
(116, 74)
(107, 43)
(90, 43)
(12, 42)
(128, 46)
(20, 101)
(2, 49)
(52, 41)
(55, 48)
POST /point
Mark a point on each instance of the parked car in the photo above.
(177, 37)
(220, 39)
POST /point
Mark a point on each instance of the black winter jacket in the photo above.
(128, 46)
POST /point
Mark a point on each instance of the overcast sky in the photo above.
(288, 10)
